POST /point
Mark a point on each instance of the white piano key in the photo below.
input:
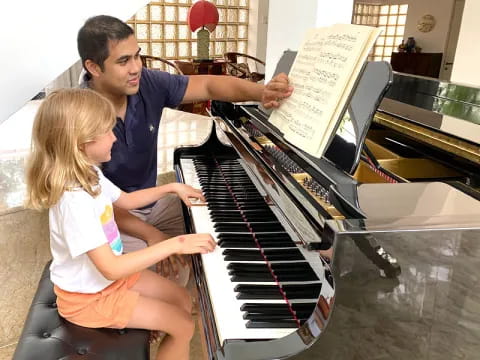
(189, 174)
(226, 307)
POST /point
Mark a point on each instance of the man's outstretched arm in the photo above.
(230, 88)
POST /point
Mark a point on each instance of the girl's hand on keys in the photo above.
(194, 243)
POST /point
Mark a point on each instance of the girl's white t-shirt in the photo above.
(80, 223)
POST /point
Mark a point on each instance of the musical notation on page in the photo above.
(323, 75)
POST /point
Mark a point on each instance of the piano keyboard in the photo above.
(261, 285)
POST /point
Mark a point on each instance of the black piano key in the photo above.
(239, 197)
(240, 203)
(261, 237)
(298, 271)
(223, 183)
(233, 206)
(265, 307)
(270, 254)
(251, 277)
(288, 316)
(281, 274)
(268, 242)
(225, 186)
(253, 226)
(299, 274)
(224, 244)
(252, 324)
(267, 277)
(254, 212)
(239, 218)
(280, 267)
(292, 291)
(246, 240)
(237, 215)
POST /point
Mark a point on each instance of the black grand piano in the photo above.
(396, 201)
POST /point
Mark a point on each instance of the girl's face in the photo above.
(98, 150)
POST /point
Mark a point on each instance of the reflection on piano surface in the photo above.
(397, 199)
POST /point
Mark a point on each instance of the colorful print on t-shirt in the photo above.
(111, 230)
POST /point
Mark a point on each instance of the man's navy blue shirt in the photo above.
(133, 165)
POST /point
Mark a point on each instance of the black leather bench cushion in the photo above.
(47, 336)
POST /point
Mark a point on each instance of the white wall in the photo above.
(435, 40)
(257, 28)
(467, 57)
(288, 23)
(334, 12)
(39, 42)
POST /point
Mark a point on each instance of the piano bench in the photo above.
(46, 335)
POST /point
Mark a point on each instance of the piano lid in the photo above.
(451, 108)
(40, 43)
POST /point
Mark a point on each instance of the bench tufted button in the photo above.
(54, 305)
(122, 331)
(82, 351)
(46, 334)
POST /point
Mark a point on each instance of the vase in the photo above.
(410, 45)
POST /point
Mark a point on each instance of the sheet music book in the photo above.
(323, 75)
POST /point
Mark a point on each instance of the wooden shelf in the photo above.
(424, 64)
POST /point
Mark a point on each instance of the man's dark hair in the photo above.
(94, 35)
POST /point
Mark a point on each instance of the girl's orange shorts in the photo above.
(111, 307)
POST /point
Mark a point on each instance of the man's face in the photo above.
(122, 68)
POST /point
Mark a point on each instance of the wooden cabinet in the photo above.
(424, 64)
(214, 67)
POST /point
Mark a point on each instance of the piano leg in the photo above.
(378, 255)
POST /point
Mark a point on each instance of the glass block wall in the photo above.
(161, 29)
(390, 18)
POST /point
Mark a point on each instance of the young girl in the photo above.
(97, 286)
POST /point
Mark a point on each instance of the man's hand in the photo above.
(275, 91)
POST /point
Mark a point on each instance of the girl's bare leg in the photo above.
(151, 284)
(155, 314)
(173, 305)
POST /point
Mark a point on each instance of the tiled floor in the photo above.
(24, 250)
(24, 247)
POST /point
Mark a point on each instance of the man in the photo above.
(111, 57)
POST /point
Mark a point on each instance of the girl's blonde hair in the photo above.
(66, 120)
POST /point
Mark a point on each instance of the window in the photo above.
(162, 30)
(390, 18)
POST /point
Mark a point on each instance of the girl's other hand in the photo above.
(185, 192)
(194, 243)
